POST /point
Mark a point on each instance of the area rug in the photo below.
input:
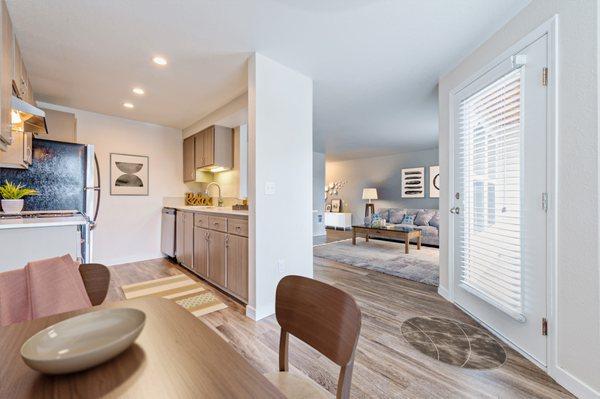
(385, 257)
(453, 342)
(181, 289)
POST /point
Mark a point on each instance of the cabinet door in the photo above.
(209, 146)
(237, 266)
(188, 239)
(189, 166)
(216, 257)
(201, 251)
(5, 77)
(179, 229)
(199, 150)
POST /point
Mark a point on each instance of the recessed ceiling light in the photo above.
(138, 90)
(128, 105)
(159, 60)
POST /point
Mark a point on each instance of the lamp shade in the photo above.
(369, 193)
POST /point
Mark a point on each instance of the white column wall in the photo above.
(280, 104)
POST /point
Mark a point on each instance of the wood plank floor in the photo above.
(386, 365)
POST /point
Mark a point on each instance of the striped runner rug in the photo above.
(186, 292)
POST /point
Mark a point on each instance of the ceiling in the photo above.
(375, 63)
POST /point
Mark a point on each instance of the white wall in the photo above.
(318, 194)
(385, 174)
(232, 114)
(129, 226)
(577, 332)
(280, 152)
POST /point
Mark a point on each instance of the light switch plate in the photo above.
(270, 188)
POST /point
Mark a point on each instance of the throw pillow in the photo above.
(424, 216)
(435, 220)
(396, 216)
(383, 214)
(408, 219)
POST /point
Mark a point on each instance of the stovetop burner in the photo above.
(38, 214)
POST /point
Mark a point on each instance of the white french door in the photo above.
(500, 202)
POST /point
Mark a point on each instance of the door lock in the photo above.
(455, 210)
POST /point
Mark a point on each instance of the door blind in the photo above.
(489, 180)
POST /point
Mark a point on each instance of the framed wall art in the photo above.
(129, 174)
(413, 183)
(336, 205)
(434, 181)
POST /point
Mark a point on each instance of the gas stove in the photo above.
(39, 214)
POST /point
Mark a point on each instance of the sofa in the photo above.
(426, 220)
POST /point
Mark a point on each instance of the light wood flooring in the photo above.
(386, 365)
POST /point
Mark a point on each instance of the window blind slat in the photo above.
(489, 177)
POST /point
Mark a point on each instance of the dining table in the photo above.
(175, 356)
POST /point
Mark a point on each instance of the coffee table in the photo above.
(403, 233)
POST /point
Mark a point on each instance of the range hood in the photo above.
(27, 118)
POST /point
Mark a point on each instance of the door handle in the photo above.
(455, 210)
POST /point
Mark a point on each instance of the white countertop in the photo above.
(42, 222)
(209, 209)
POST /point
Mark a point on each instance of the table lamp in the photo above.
(369, 194)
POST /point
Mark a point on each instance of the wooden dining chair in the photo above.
(324, 317)
(96, 279)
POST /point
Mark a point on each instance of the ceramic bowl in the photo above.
(83, 341)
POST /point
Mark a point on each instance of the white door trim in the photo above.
(549, 28)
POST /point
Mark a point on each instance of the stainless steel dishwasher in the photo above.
(167, 234)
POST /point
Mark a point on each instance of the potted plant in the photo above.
(12, 196)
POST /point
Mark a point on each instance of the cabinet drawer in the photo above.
(217, 223)
(238, 227)
(201, 220)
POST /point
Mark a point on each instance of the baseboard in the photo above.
(128, 259)
(256, 316)
(444, 293)
(573, 384)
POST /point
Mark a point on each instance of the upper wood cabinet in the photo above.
(20, 77)
(6, 71)
(209, 150)
(189, 167)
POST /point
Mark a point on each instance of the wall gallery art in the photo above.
(336, 205)
(434, 181)
(413, 183)
(128, 174)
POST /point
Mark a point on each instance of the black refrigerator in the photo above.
(66, 177)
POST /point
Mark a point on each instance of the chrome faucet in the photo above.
(220, 200)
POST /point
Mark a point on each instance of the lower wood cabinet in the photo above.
(220, 257)
(237, 266)
(216, 257)
(184, 238)
(201, 251)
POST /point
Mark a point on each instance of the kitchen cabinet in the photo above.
(6, 70)
(189, 168)
(216, 257)
(184, 238)
(210, 150)
(220, 249)
(237, 265)
(62, 126)
(19, 154)
(20, 77)
(201, 251)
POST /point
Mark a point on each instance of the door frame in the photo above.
(549, 28)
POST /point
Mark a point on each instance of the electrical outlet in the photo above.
(281, 266)
(270, 188)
